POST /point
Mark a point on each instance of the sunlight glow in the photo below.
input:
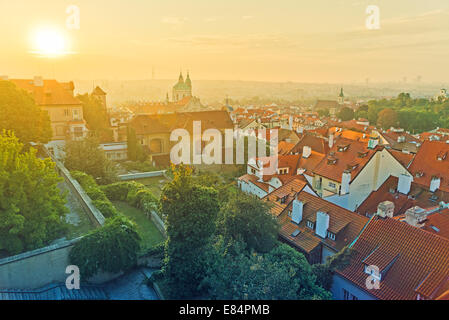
(49, 43)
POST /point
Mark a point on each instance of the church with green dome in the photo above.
(182, 89)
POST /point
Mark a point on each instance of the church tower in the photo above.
(341, 97)
(182, 89)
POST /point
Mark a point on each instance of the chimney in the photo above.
(290, 123)
(435, 184)
(404, 183)
(306, 152)
(331, 141)
(345, 180)
(373, 142)
(297, 211)
(385, 209)
(416, 216)
(322, 224)
(38, 81)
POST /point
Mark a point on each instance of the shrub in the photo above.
(116, 191)
(106, 208)
(146, 200)
(111, 248)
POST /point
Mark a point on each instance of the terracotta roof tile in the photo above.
(418, 253)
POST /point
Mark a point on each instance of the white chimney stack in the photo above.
(290, 123)
(297, 211)
(345, 180)
(322, 224)
(416, 216)
(38, 81)
(435, 184)
(404, 183)
(306, 152)
(331, 141)
(385, 209)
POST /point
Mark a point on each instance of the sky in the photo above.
(321, 41)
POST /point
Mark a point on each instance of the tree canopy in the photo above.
(248, 219)
(19, 113)
(111, 248)
(190, 210)
(31, 204)
(96, 116)
(87, 156)
(346, 114)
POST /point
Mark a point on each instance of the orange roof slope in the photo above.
(281, 197)
(51, 93)
(420, 260)
(345, 224)
(345, 155)
(431, 160)
(418, 196)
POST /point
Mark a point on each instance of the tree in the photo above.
(190, 212)
(346, 114)
(387, 118)
(19, 113)
(325, 272)
(135, 150)
(111, 248)
(87, 156)
(283, 273)
(323, 112)
(248, 219)
(31, 204)
(96, 116)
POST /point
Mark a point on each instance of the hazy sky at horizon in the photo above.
(266, 40)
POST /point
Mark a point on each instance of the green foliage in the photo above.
(111, 248)
(135, 150)
(87, 156)
(96, 116)
(99, 198)
(106, 208)
(133, 193)
(190, 210)
(323, 112)
(20, 114)
(346, 114)
(245, 218)
(324, 272)
(387, 118)
(282, 273)
(31, 205)
(145, 166)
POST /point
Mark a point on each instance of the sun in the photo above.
(49, 42)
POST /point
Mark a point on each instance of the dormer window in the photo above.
(284, 199)
(331, 160)
(351, 167)
(310, 224)
(362, 154)
(343, 148)
(331, 235)
(419, 174)
(441, 156)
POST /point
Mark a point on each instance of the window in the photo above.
(331, 235)
(310, 224)
(66, 112)
(349, 296)
(76, 115)
(332, 185)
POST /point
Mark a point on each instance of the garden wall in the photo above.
(141, 175)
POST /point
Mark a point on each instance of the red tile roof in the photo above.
(345, 224)
(418, 196)
(356, 156)
(248, 178)
(52, 93)
(281, 197)
(426, 162)
(316, 143)
(404, 158)
(420, 260)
